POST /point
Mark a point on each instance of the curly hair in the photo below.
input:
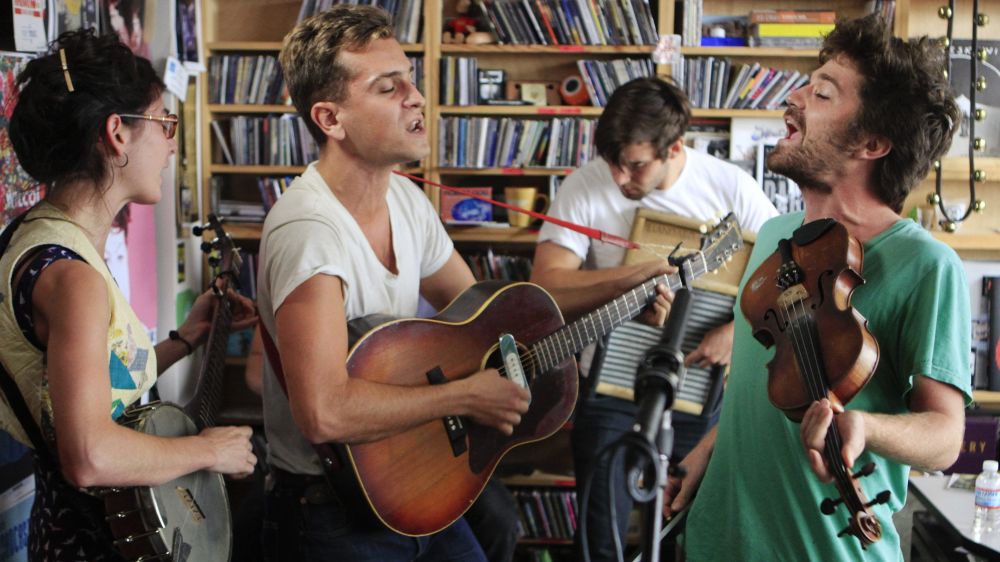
(905, 97)
(309, 55)
(57, 134)
(643, 110)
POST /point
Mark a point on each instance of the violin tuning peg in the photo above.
(881, 498)
(866, 470)
(829, 505)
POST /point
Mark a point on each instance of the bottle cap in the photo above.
(990, 466)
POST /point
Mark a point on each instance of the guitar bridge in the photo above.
(454, 427)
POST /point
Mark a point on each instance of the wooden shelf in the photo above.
(492, 234)
(972, 245)
(729, 113)
(257, 170)
(956, 168)
(531, 541)
(275, 46)
(987, 399)
(239, 231)
(539, 478)
(505, 171)
(573, 50)
(544, 110)
(250, 108)
(235, 361)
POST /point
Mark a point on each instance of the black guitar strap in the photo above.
(12, 393)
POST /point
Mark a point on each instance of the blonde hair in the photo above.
(309, 55)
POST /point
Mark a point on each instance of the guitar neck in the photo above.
(207, 400)
(571, 338)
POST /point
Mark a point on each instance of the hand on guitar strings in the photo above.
(816, 421)
(199, 320)
(233, 450)
(656, 313)
(495, 401)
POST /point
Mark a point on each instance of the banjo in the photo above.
(188, 518)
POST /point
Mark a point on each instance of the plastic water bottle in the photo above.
(987, 518)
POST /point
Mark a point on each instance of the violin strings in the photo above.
(804, 341)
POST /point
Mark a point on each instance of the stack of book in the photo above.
(712, 82)
(405, 14)
(570, 22)
(510, 142)
(602, 77)
(797, 29)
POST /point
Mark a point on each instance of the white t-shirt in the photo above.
(705, 188)
(309, 232)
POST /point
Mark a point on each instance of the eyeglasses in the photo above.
(169, 122)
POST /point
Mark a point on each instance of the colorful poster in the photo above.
(68, 15)
(18, 191)
(127, 19)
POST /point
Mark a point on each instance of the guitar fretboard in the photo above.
(571, 338)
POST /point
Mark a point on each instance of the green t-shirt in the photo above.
(759, 499)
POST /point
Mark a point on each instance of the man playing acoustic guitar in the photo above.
(350, 239)
(861, 135)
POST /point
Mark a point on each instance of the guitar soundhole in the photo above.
(528, 363)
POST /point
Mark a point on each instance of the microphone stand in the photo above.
(652, 435)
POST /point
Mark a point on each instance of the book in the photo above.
(220, 139)
(988, 99)
(793, 16)
(991, 294)
(978, 444)
(792, 29)
(783, 192)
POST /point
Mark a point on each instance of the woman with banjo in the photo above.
(91, 125)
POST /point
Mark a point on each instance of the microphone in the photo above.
(661, 369)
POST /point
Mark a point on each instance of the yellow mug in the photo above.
(526, 198)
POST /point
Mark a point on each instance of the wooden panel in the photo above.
(659, 233)
(250, 20)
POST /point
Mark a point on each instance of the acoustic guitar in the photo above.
(188, 518)
(421, 480)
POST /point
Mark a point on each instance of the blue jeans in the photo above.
(303, 525)
(600, 421)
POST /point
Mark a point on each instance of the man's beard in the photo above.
(811, 165)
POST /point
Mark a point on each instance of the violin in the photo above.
(799, 301)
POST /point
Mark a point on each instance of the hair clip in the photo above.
(65, 69)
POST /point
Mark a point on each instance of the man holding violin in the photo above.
(861, 135)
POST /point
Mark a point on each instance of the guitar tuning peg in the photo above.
(207, 247)
(881, 498)
(214, 261)
(197, 230)
(829, 505)
(866, 470)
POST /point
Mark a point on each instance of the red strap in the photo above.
(591, 232)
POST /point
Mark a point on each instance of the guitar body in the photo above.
(414, 481)
(184, 519)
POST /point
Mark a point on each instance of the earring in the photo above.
(125, 154)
